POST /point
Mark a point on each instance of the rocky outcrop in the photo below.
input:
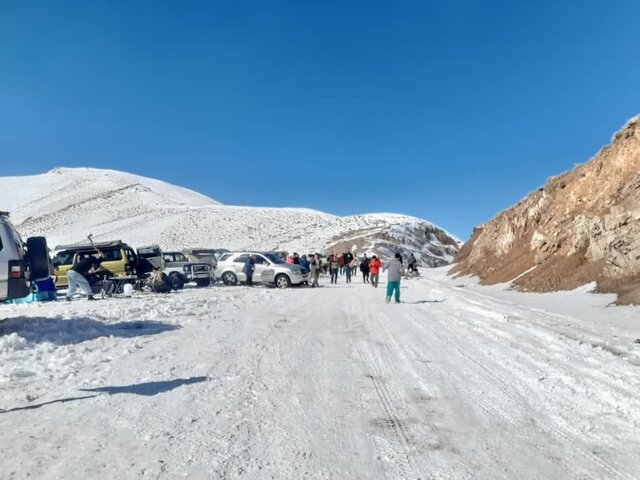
(582, 226)
(431, 245)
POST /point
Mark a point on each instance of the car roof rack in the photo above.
(87, 245)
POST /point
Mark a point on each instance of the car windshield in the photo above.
(273, 258)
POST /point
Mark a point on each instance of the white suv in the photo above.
(19, 263)
(269, 268)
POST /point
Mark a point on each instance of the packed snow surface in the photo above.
(457, 382)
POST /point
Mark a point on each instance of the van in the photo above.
(119, 259)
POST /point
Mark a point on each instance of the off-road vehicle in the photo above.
(119, 259)
(20, 263)
(181, 271)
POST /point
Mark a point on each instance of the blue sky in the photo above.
(451, 111)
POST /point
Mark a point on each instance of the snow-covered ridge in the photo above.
(66, 204)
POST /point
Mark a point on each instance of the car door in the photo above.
(238, 266)
(268, 273)
(261, 273)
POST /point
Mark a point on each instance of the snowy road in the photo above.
(329, 383)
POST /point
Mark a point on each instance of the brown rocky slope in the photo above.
(582, 226)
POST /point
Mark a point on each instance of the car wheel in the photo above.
(203, 282)
(176, 281)
(229, 278)
(282, 281)
(38, 258)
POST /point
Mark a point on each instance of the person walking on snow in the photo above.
(364, 268)
(395, 270)
(412, 263)
(77, 276)
(374, 269)
(334, 267)
(249, 268)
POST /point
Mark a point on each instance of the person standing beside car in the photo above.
(316, 267)
(249, 268)
(77, 275)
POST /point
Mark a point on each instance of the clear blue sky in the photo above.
(451, 111)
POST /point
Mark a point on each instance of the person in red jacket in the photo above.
(374, 270)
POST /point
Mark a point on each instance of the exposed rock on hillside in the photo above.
(583, 226)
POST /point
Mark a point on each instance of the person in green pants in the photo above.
(395, 269)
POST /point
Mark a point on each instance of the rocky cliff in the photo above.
(582, 226)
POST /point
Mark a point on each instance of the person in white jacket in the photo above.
(395, 269)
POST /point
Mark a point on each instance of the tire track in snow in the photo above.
(475, 369)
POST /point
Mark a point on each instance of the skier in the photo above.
(249, 268)
(374, 269)
(395, 270)
(77, 276)
(364, 268)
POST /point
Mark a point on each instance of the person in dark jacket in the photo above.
(364, 268)
(249, 268)
(304, 263)
(77, 276)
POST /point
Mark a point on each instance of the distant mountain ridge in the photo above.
(66, 204)
(581, 227)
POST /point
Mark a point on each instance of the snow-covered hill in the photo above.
(67, 204)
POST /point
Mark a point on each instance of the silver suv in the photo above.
(20, 262)
(180, 270)
(270, 269)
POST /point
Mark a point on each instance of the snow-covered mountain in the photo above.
(66, 204)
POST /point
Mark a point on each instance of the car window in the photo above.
(260, 260)
(83, 255)
(274, 258)
(131, 256)
(181, 258)
(148, 252)
(112, 255)
(242, 258)
(63, 258)
(225, 257)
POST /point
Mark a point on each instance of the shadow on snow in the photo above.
(63, 331)
(147, 389)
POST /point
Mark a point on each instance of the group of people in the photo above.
(347, 264)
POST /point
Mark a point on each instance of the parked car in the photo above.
(119, 259)
(203, 255)
(181, 271)
(270, 269)
(20, 263)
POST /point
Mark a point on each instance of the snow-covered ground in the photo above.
(459, 381)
